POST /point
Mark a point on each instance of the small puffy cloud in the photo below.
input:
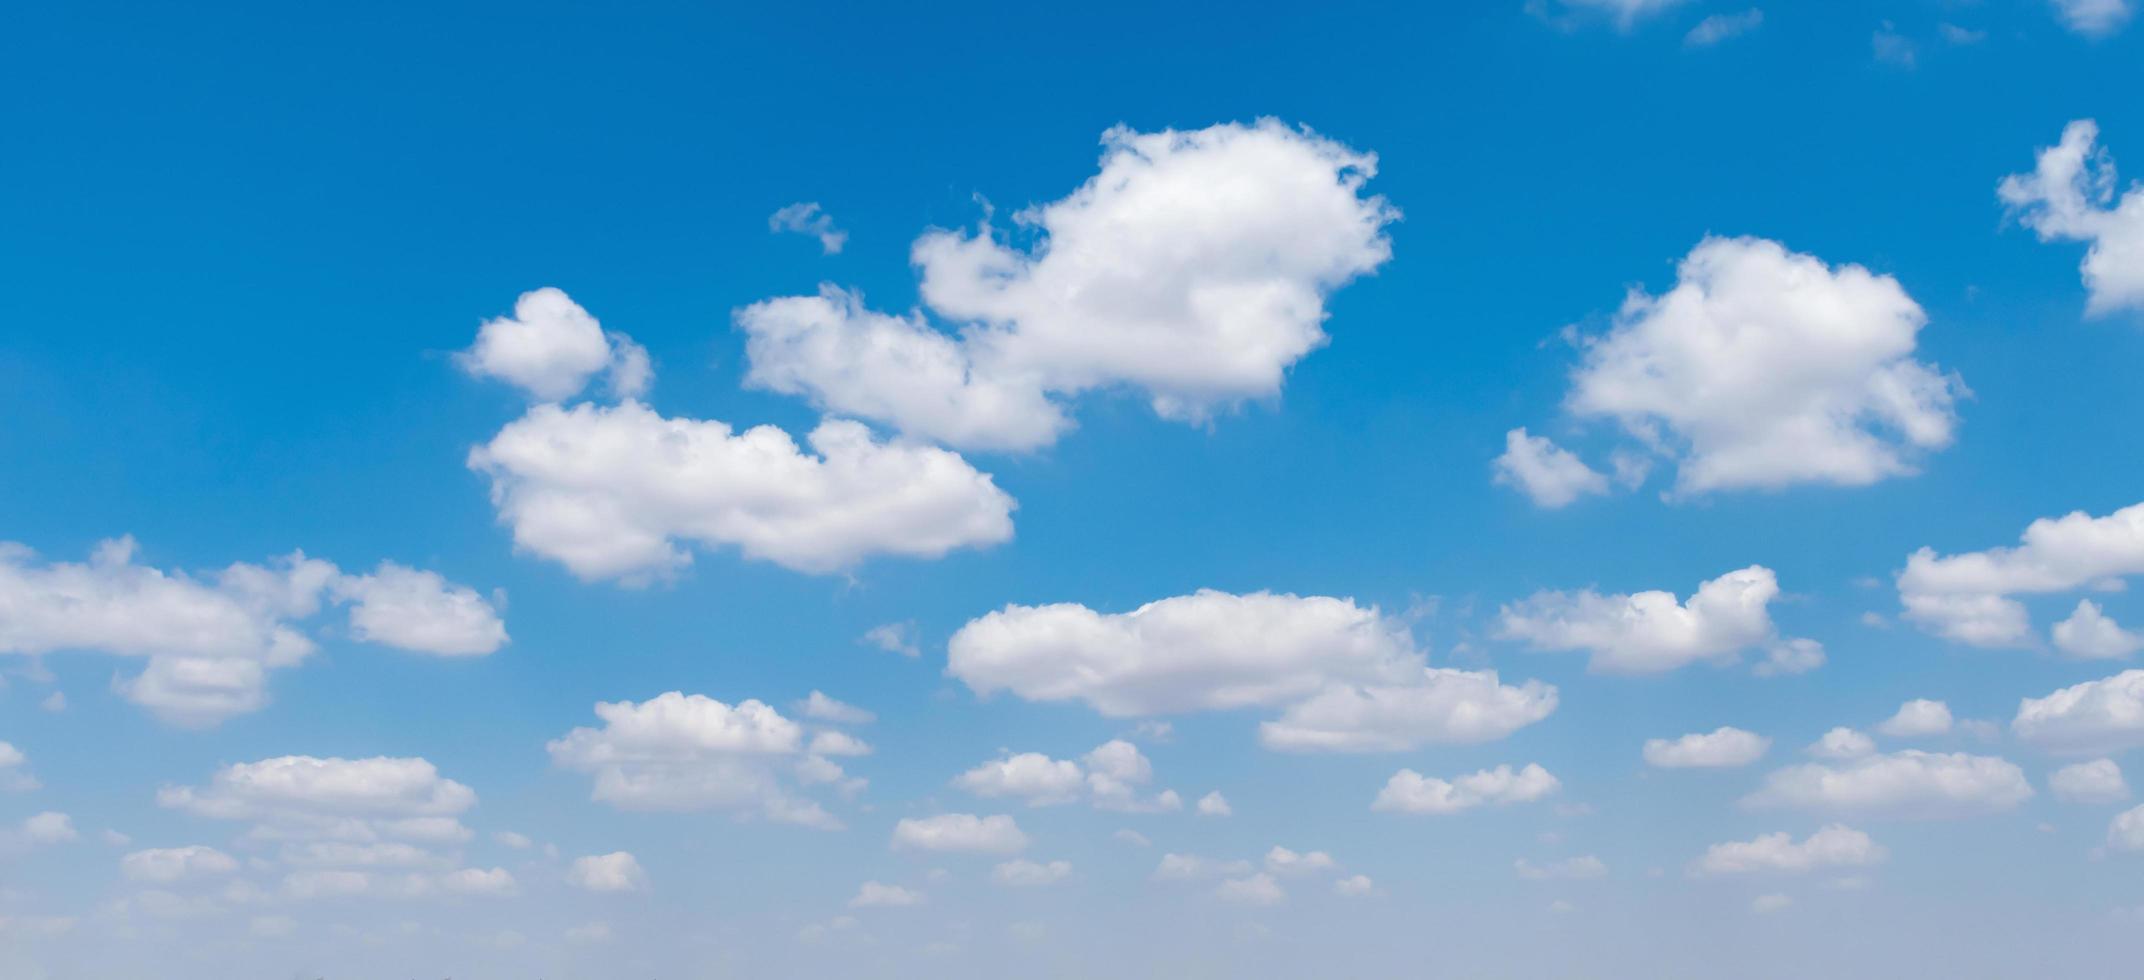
(960, 832)
(1355, 886)
(1842, 743)
(1719, 27)
(2097, 781)
(1723, 747)
(894, 638)
(1547, 474)
(619, 491)
(1411, 792)
(479, 881)
(14, 770)
(2126, 831)
(1764, 368)
(1215, 805)
(2096, 716)
(1350, 678)
(210, 640)
(1650, 632)
(1282, 861)
(806, 218)
(2090, 634)
(1770, 902)
(1193, 268)
(1835, 846)
(164, 865)
(873, 895)
(1186, 867)
(420, 611)
(2093, 18)
(49, 827)
(1109, 776)
(1582, 866)
(551, 347)
(517, 841)
(1442, 706)
(691, 752)
(1909, 783)
(296, 797)
(617, 871)
(1132, 837)
(1969, 597)
(1916, 718)
(1030, 874)
(819, 707)
(1257, 889)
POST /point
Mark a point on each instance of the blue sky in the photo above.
(1172, 364)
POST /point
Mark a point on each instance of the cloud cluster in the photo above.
(1834, 846)
(1652, 631)
(1349, 678)
(677, 751)
(960, 833)
(1971, 597)
(1411, 792)
(1110, 777)
(209, 641)
(341, 827)
(1909, 783)
(1192, 268)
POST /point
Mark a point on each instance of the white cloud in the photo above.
(164, 865)
(806, 218)
(691, 752)
(1719, 27)
(1834, 846)
(1625, 13)
(1968, 597)
(1030, 874)
(1411, 792)
(2095, 716)
(210, 641)
(479, 881)
(2090, 634)
(296, 796)
(1916, 718)
(2070, 196)
(551, 347)
(48, 827)
(1193, 268)
(1443, 706)
(1649, 632)
(2126, 831)
(55, 702)
(1132, 837)
(1546, 473)
(1582, 866)
(1843, 743)
(2093, 18)
(617, 871)
(1257, 889)
(1351, 678)
(1765, 368)
(418, 610)
(874, 895)
(1110, 777)
(2097, 781)
(1355, 886)
(894, 638)
(618, 492)
(1723, 747)
(1185, 867)
(960, 832)
(1282, 861)
(1215, 805)
(14, 774)
(822, 708)
(1908, 783)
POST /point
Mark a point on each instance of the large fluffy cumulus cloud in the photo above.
(1192, 268)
